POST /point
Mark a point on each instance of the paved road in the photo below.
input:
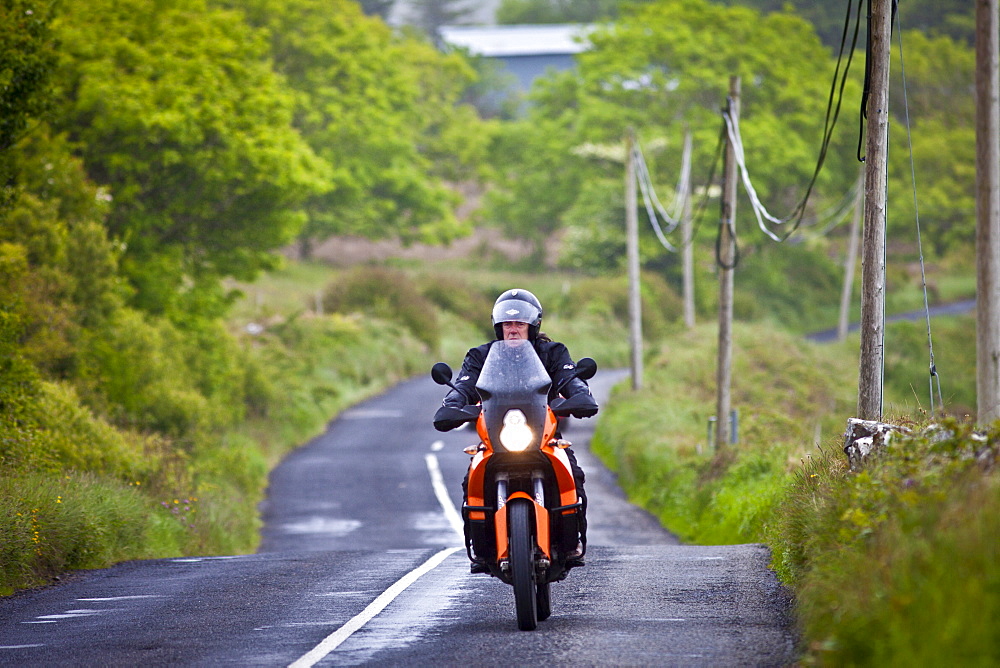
(954, 308)
(359, 565)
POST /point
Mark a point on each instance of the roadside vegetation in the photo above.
(158, 357)
(139, 182)
(897, 563)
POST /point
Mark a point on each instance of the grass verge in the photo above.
(896, 564)
(175, 460)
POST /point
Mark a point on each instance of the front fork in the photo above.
(542, 533)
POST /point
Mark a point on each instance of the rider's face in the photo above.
(515, 330)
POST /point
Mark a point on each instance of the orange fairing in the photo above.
(560, 462)
(476, 487)
(551, 424)
(484, 435)
(477, 472)
(564, 475)
(541, 527)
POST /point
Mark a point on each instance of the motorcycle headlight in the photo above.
(515, 436)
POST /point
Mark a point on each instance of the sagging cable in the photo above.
(652, 202)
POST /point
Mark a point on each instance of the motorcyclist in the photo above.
(517, 314)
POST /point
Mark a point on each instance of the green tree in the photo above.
(537, 180)
(951, 18)
(940, 107)
(177, 113)
(26, 61)
(69, 280)
(383, 110)
(663, 67)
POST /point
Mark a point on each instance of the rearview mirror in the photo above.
(441, 373)
(586, 368)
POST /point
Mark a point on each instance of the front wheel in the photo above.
(522, 563)
(543, 600)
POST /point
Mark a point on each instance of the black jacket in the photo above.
(554, 356)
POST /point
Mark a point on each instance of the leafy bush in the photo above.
(799, 282)
(54, 523)
(607, 299)
(72, 438)
(656, 438)
(453, 295)
(899, 563)
(387, 294)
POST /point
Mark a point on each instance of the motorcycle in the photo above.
(521, 508)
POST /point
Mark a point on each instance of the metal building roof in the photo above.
(518, 40)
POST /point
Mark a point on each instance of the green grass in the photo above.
(50, 524)
(886, 549)
(909, 547)
(896, 565)
(657, 438)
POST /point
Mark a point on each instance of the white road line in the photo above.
(441, 492)
(120, 598)
(334, 640)
(437, 446)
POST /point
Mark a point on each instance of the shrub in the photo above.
(73, 438)
(899, 563)
(798, 282)
(54, 523)
(458, 297)
(607, 299)
(388, 294)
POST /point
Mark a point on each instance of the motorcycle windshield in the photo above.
(513, 378)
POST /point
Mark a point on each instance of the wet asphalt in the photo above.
(353, 512)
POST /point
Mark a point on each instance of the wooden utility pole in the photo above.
(632, 253)
(687, 253)
(987, 213)
(872, 358)
(852, 258)
(727, 262)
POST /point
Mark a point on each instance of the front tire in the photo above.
(543, 600)
(521, 548)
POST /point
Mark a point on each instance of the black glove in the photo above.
(450, 417)
(588, 407)
(579, 405)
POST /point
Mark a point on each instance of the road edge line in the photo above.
(335, 639)
(441, 492)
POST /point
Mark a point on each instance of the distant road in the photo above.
(361, 564)
(955, 308)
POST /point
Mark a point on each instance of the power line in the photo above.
(834, 103)
(652, 202)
